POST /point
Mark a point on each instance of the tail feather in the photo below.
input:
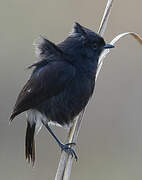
(30, 143)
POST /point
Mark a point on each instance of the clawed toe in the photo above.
(66, 148)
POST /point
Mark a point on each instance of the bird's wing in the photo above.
(43, 84)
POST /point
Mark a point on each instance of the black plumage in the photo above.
(61, 84)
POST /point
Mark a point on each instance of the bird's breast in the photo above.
(64, 107)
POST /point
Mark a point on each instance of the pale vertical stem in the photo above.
(105, 18)
(73, 138)
(61, 166)
(65, 164)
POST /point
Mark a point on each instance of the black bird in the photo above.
(61, 84)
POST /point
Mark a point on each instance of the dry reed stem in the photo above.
(65, 164)
(75, 130)
(116, 39)
(77, 126)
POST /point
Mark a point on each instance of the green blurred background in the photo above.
(109, 145)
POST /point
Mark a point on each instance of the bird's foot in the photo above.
(68, 149)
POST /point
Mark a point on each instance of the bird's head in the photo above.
(85, 43)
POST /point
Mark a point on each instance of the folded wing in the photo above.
(44, 83)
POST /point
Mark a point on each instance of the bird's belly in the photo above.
(64, 107)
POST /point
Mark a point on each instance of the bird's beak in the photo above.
(108, 46)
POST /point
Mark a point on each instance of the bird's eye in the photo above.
(95, 46)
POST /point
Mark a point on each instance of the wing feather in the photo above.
(44, 83)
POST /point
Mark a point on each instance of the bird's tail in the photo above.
(30, 143)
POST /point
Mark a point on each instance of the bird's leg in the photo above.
(64, 147)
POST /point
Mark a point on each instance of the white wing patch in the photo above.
(29, 90)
